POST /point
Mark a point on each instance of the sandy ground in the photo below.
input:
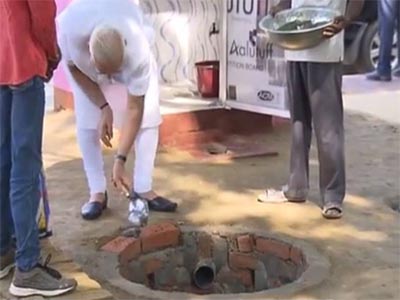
(363, 247)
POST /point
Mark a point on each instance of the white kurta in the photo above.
(139, 74)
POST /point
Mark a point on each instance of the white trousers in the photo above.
(145, 153)
(88, 117)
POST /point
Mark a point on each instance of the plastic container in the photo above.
(208, 78)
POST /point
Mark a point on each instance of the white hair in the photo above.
(106, 46)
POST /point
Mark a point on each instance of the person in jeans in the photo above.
(389, 20)
(28, 56)
(315, 98)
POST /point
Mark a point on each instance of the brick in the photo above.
(296, 256)
(133, 271)
(152, 265)
(239, 260)
(245, 243)
(204, 245)
(279, 249)
(117, 245)
(230, 281)
(126, 248)
(232, 244)
(245, 277)
(159, 236)
(131, 252)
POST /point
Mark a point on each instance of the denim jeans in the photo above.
(389, 15)
(21, 129)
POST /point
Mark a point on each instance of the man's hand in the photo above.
(339, 24)
(119, 177)
(106, 126)
(52, 64)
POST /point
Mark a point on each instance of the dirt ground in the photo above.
(363, 247)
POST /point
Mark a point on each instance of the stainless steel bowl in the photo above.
(302, 38)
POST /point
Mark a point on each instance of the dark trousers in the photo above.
(389, 20)
(21, 127)
(315, 97)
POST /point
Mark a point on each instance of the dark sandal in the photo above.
(332, 212)
(93, 210)
(162, 204)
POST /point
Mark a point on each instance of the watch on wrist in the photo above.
(121, 158)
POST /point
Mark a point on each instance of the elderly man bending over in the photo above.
(107, 56)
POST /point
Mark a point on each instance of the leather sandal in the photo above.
(94, 209)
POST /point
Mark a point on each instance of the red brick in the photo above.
(204, 246)
(239, 260)
(152, 265)
(279, 249)
(118, 244)
(245, 243)
(296, 255)
(126, 248)
(245, 277)
(159, 236)
(131, 252)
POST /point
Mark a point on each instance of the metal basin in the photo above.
(298, 39)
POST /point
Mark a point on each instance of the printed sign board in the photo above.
(255, 67)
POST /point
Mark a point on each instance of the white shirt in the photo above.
(77, 22)
(331, 50)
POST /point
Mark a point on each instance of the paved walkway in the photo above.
(88, 289)
(378, 99)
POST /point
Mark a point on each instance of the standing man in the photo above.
(28, 56)
(389, 20)
(315, 97)
(113, 74)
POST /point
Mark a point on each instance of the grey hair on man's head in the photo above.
(107, 46)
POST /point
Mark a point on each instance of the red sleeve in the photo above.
(43, 14)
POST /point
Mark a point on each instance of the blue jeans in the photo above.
(21, 129)
(388, 15)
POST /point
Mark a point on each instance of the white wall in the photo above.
(182, 35)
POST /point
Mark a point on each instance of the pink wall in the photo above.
(59, 79)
